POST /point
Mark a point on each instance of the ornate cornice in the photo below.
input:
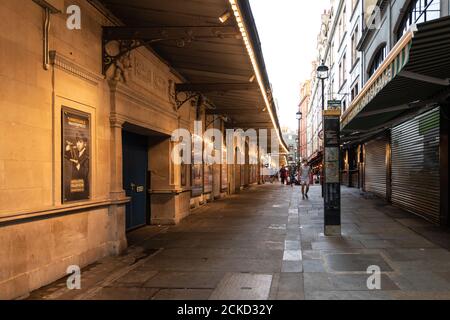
(63, 63)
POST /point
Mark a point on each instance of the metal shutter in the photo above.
(375, 170)
(415, 166)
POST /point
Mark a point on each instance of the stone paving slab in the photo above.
(240, 286)
(183, 294)
(343, 262)
(267, 243)
(119, 293)
(185, 280)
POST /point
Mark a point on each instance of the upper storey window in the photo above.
(419, 11)
(377, 60)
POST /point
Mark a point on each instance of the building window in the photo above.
(340, 30)
(331, 89)
(377, 60)
(342, 25)
(344, 21)
(354, 45)
(419, 11)
(355, 91)
(332, 54)
(342, 70)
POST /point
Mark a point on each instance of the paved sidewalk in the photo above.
(266, 243)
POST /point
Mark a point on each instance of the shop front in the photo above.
(398, 124)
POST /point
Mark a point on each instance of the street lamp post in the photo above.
(322, 74)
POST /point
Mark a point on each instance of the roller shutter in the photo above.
(415, 166)
(375, 171)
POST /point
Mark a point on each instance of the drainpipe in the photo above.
(48, 11)
(46, 44)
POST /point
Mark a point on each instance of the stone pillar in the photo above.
(117, 211)
(117, 191)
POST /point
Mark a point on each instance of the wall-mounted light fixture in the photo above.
(225, 16)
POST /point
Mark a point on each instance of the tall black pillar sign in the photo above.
(332, 158)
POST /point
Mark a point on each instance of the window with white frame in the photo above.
(378, 59)
(354, 45)
(419, 11)
(354, 91)
(342, 70)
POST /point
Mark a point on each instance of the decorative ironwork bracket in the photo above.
(180, 97)
(194, 97)
(124, 47)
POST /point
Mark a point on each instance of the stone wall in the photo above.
(40, 236)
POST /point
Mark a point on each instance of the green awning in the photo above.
(417, 69)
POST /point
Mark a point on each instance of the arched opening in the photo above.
(377, 60)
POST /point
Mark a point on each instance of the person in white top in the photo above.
(305, 172)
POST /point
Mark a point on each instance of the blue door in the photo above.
(135, 162)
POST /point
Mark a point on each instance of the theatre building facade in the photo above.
(395, 132)
(88, 114)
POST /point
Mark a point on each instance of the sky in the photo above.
(288, 32)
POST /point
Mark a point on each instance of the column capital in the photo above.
(116, 120)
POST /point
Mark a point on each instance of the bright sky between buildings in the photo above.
(288, 32)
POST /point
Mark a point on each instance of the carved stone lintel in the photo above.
(63, 63)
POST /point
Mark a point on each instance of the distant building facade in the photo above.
(305, 92)
(290, 136)
(389, 68)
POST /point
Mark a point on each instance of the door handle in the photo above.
(133, 187)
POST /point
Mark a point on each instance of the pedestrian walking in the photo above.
(292, 176)
(283, 174)
(305, 171)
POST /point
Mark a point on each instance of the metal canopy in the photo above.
(414, 74)
(210, 55)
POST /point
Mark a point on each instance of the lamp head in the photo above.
(322, 71)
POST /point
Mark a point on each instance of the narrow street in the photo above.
(266, 243)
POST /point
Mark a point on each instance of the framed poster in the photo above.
(224, 180)
(197, 168)
(76, 161)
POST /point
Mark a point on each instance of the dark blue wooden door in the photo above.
(135, 163)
